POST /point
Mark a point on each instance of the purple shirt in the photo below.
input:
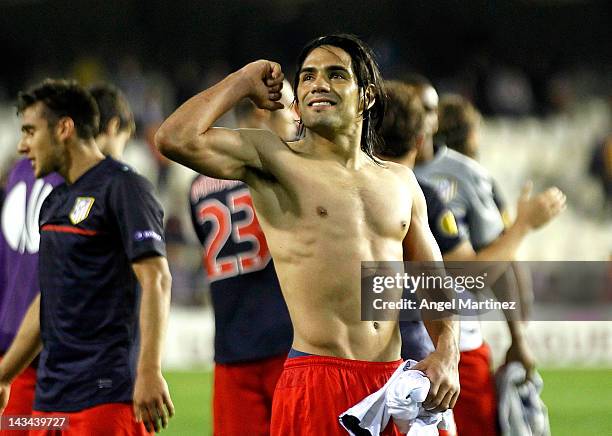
(19, 240)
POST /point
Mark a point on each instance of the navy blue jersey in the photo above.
(416, 343)
(90, 233)
(251, 317)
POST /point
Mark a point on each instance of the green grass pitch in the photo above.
(579, 402)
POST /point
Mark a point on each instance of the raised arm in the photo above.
(509, 281)
(188, 137)
(441, 366)
(532, 213)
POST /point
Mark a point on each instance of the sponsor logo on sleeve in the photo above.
(142, 235)
(80, 210)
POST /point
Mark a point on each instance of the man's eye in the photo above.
(307, 77)
(337, 76)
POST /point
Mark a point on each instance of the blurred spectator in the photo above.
(88, 70)
(601, 167)
(458, 123)
(509, 92)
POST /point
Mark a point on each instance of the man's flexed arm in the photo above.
(187, 137)
(441, 366)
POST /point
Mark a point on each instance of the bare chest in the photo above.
(368, 203)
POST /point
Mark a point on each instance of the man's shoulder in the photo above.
(119, 172)
(261, 137)
(267, 141)
(399, 170)
(120, 180)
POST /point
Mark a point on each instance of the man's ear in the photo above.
(112, 127)
(65, 128)
(370, 96)
(368, 99)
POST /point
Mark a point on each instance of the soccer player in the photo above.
(19, 239)
(459, 129)
(100, 236)
(325, 204)
(467, 188)
(252, 327)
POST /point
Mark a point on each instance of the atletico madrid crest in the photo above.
(81, 209)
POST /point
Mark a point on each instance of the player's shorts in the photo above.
(115, 419)
(21, 399)
(242, 396)
(314, 390)
(476, 409)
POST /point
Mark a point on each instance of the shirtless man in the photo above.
(325, 205)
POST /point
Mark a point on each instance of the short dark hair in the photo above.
(404, 120)
(112, 103)
(63, 98)
(367, 73)
(457, 117)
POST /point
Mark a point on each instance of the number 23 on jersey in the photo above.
(243, 238)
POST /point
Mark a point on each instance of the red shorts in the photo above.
(242, 396)
(452, 428)
(314, 390)
(115, 419)
(476, 409)
(21, 399)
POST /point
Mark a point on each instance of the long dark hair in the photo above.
(367, 73)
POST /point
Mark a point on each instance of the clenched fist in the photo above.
(265, 80)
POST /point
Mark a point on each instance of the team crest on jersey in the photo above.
(448, 225)
(81, 208)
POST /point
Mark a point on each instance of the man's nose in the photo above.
(320, 84)
(22, 147)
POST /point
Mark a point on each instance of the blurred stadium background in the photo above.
(539, 70)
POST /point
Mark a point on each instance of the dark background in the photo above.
(449, 41)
